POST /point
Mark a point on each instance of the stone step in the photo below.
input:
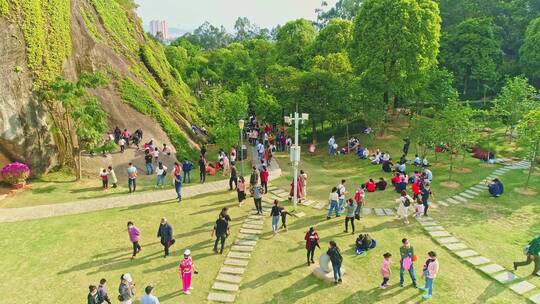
(250, 237)
(471, 192)
(307, 203)
(221, 297)
(299, 214)
(535, 298)
(250, 226)
(506, 277)
(466, 253)
(388, 211)
(460, 198)
(239, 255)
(439, 233)
(320, 206)
(250, 231)
(447, 240)
(232, 270)
(235, 262)
(522, 287)
(366, 211)
(480, 260)
(379, 212)
(491, 269)
(452, 201)
(242, 248)
(245, 242)
(434, 228)
(425, 224)
(225, 286)
(229, 278)
(466, 195)
(254, 222)
(255, 217)
(455, 246)
(442, 203)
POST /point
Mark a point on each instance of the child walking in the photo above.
(385, 270)
(104, 179)
(284, 214)
(431, 268)
(187, 268)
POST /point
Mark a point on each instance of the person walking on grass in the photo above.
(407, 262)
(333, 200)
(430, 270)
(404, 202)
(304, 179)
(104, 175)
(187, 268)
(165, 233)
(312, 241)
(92, 295)
(149, 298)
(177, 179)
(202, 169)
(254, 177)
(284, 214)
(221, 231)
(275, 213)
(342, 192)
(532, 251)
(241, 190)
(161, 172)
(187, 166)
(103, 297)
(336, 259)
(256, 192)
(148, 160)
(233, 177)
(386, 270)
(134, 236)
(426, 193)
(126, 289)
(265, 176)
(350, 210)
(112, 177)
(132, 178)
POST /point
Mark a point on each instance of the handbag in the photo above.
(407, 263)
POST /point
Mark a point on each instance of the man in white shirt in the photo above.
(331, 143)
(429, 174)
(341, 192)
(149, 298)
(260, 150)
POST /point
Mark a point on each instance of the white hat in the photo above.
(187, 252)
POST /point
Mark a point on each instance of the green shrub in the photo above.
(4, 8)
(142, 101)
(90, 24)
(117, 24)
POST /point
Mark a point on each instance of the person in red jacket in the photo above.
(370, 185)
(265, 175)
(416, 189)
(312, 241)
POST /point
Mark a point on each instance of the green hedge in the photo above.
(140, 100)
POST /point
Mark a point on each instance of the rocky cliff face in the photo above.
(105, 36)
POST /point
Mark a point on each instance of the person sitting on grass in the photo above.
(381, 184)
(387, 165)
(370, 185)
(417, 160)
(360, 152)
(363, 243)
(496, 188)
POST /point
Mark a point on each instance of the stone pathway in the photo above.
(473, 258)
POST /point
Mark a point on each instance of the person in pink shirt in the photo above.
(431, 269)
(134, 236)
(265, 175)
(385, 270)
(187, 268)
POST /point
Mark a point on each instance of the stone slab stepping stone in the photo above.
(452, 201)
(464, 253)
(425, 224)
(255, 217)
(439, 233)
(482, 186)
(320, 206)
(228, 278)
(442, 203)
(221, 297)
(232, 270)
(242, 248)
(299, 214)
(455, 246)
(272, 188)
(492, 268)
(239, 255)
(283, 195)
(388, 211)
(433, 205)
(235, 262)
(434, 228)
(466, 195)
(459, 198)
(225, 286)
(447, 240)
(471, 192)
(307, 203)
(478, 260)
(425, 219)
(250, 237)
(379, 212)
(254, 222)
(535, 299)
(250, 231)
(250, 226)
(522, 287)
(245, 242)
(366, 211)
(277, 191)
(505, 277)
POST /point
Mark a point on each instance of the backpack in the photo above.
(407, 202)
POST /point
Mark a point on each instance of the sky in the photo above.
(189, 14)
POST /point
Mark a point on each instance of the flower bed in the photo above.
(15, 174)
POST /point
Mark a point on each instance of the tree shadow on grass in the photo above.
(43, 190)
(490, 292)
(89, 189)
(260, 281)
(379, 294)
(299, 290)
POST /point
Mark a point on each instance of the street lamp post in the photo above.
(295, 151)
(241, 126)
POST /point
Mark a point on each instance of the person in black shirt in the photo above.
(284, 214)
(148, 160)
(202, 169)
(426, 192)
(336, 259)
(203, 151)
(234, 177)
(221, 230)
(165, 233)
(381, 184)
(225, 213)
(92, 295)
(275, 213)
(387, 166)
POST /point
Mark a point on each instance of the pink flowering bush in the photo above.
(15, 173)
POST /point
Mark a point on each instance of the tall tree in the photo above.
(395, 43)
(530, 50)
(529, 135)
(293, 42)
(335, 37)
(209, 37)
(515, 100)
(244, 29)
(344, 9)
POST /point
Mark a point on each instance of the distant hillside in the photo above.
(42, 40)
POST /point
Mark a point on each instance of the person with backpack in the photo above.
(165, 233)
(312, 241)
(161, 172)
(132, 177)
(336, 259)
(134, 236)
(177, 179)
(407, 262)
(405, 202)
(187, 166)
(254, 177)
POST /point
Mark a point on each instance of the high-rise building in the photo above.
(159, 29)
